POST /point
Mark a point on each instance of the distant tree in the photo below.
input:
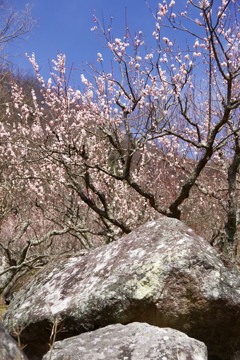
(156, 135)
(26, 237)
(14, 26)
(29, 232)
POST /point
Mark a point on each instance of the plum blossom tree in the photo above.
(158, 134)
(15, 259)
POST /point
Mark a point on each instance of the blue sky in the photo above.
(64, 27)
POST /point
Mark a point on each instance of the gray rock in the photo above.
(8, 347)
(136, 341)
(162, 273)
(3, 275)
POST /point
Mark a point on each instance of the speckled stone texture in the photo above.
(162, 274)
(8, 347)
(136, 341)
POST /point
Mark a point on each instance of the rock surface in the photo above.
(136, 341)
(4, 275)
(162, 273)
(8, 347)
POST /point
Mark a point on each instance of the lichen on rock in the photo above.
(162, 274)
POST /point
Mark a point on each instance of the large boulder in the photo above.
(136, 341)
(162, 273)
(3, 274)
(9, 349)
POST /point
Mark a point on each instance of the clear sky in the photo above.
(63, 26)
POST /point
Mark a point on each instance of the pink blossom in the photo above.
(166, 40)
(100, 58)
(148, 56)
(196, 44)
